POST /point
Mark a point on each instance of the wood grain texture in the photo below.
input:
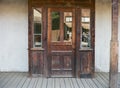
(66, 54)
(21, 80)
(114, 47)
(37, 62)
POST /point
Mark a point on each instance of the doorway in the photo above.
(62, 41)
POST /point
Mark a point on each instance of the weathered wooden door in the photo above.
(61, 37)
(61, 41)
(85, 35)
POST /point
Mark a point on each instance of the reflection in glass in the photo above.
(37, 27)
(37, 39)
(67, 26)
(85, 23)
(85, 19)
(55, 26)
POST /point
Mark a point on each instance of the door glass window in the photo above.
(37, 36)
(55, 16)
(67, 26)
(85, 29)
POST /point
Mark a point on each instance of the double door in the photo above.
(61, 42)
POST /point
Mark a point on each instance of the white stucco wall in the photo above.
(14, 35)
(103, 35)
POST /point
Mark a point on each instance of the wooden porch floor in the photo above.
(21, 80)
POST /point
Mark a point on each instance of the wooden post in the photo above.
(113, 77)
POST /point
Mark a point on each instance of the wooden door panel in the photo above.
(37, 63)
(61, 63)
(85, 64)
(60, 47)
(56, 63)
(67, 63)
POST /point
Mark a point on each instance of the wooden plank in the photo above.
(2, 76)
(62, 83)
(105, 75)
(75, 84)
(104, 78)
(32, 83)
(80, 83)
(114, 45)
(17, 79)
(102, 82)
(57, 83)
(85, 83)
(45, 82)
(99, 85)
(6, 80)
(39, 83)
(91, 83)
(67, 83)
(26, 83)
(21, 83)
(9, 83)
(35, 84)
(50, 81)
(88, 83)
(20, 80)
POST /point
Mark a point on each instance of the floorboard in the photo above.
(21, 80)
(39, 83)
(6, 79)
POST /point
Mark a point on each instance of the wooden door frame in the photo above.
(62, 3)
(61, 29)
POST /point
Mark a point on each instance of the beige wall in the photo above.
(103, 35)
(14, 35)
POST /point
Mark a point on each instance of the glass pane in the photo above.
(37, 21)
(37, 27)
(55, 26)
(37, 40)
(85, 23)
(67, 26)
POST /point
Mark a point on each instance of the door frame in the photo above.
(72, 43)
(42, 4)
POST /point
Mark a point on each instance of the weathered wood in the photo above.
(41, 59)
(39, 83)
(85, 64)
(45, 41)
(61, 60)
(6, 79)
(20, 80)
(85, 57)
(37, 62)
(30, 20)
(21, 83)
(61, 3)
(113, 79)
(10, 82)
(37, 55)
